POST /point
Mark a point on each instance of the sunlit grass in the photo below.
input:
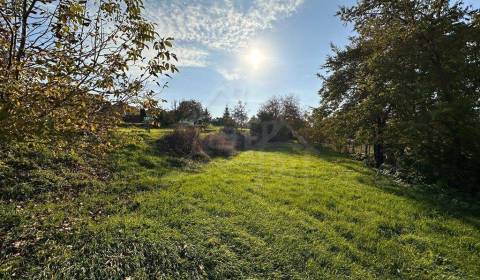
(275, 213)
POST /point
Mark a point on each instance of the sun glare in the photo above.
(255, 58)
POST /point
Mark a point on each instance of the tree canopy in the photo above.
(408, 83)
(65, 65)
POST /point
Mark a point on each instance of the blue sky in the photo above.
(248, 50)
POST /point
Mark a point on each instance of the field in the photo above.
(280, 212)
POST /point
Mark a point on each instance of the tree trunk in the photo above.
(23, 35)
(378, 147)
(378, 154)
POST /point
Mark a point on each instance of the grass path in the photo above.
(279, 213)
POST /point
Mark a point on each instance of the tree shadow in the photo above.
(430, 198)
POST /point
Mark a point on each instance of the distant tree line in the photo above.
(187, 111)
(408, 84)
(192, 112)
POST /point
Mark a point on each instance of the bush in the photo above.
(183, 142)
(242, 141)
(186, 142)
(218, 145)
(271, 131)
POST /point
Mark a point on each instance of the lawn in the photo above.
(280, 212)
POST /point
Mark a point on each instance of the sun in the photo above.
(255, 58)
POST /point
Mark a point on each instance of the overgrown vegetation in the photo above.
(182, 142)
(218, 145)
(189, 111)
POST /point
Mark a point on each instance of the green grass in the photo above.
(274, 213)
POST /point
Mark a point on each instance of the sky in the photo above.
(248, 50)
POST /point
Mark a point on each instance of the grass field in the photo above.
(275, 213)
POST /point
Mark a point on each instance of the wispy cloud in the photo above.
(226, 25)
(230, 75)
(191, 57)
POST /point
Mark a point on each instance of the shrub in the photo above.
(200, 155)
(183, 142)
(271, 131)
(186, 142)
(242, 141)
(218, 145)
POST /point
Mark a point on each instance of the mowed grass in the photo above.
(280, 212)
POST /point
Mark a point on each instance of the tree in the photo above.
(64, 65)
(277, 117)
(292, 113)
(227, 119)
(166, 118)
(189, 110)
(204, 120)
(240, 115)
(206, 116)
(270, 110)
(408, 83)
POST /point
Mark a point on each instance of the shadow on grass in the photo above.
(430, 198)
(433, 198)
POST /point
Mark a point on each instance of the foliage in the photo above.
(218, 121)
(187, 110)
(243, 141)
(408, 84)
(187, 142)
(64, 66)
(166, 118)
(312, 132)
(205, 120)
(227, 120)
(277, 118)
